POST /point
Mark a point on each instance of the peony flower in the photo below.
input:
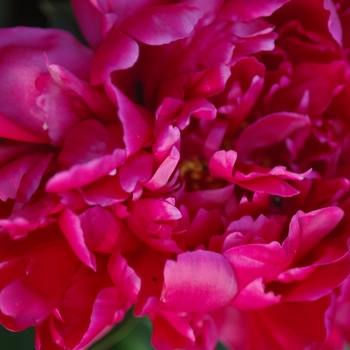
(192, 163)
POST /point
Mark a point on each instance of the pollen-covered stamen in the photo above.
(197, 176)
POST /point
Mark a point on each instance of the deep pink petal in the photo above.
(257, 260)
(90, 20)
(137, 168)
(253, 177)
(94, 98)
(160, 25)
(83, 174)
(102, 229)
(11, 131)
(12, 173)
(172, 330)
(31, 298)
(124, 277)
(242, 10)
(164, 171)
(24, 54)
(253, 296)
(270, 130)
(198, 281)
(71, 228)
(85, 142)
(137, 121)
(307, 229)
(108, 308)
(32, 178)
(118, 51)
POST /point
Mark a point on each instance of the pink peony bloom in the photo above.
(193, 163)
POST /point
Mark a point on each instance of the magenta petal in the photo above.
(12, 173)
(11, 131)
(245, 10)
(257, 260)
(83, 174)
(124, 277)
(253, 297)
(102, 229)
(222, 163)
(307, 229)
(32, 178)
(160, 25)
(137, 121)
(32, 297)
(198, 281)
(137, 168)
(163, 173)
(118, 51)
(320, 282)
(108, 308)
(334, 24)
(86, 141)
(71, 228)
(89, 19)
(95, 99)
(270, 130)
(253, 177)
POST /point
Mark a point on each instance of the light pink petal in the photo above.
(164, 171)
(198, 281)
(124, 277)
(245, 10)
(253, 296)
(117, 51)
(83, 174)
(271, 181)
(160, 25)
(253, 177)
(334, 24)
(222, 163)
(71, 228)
(166, 139)
(137, 121)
